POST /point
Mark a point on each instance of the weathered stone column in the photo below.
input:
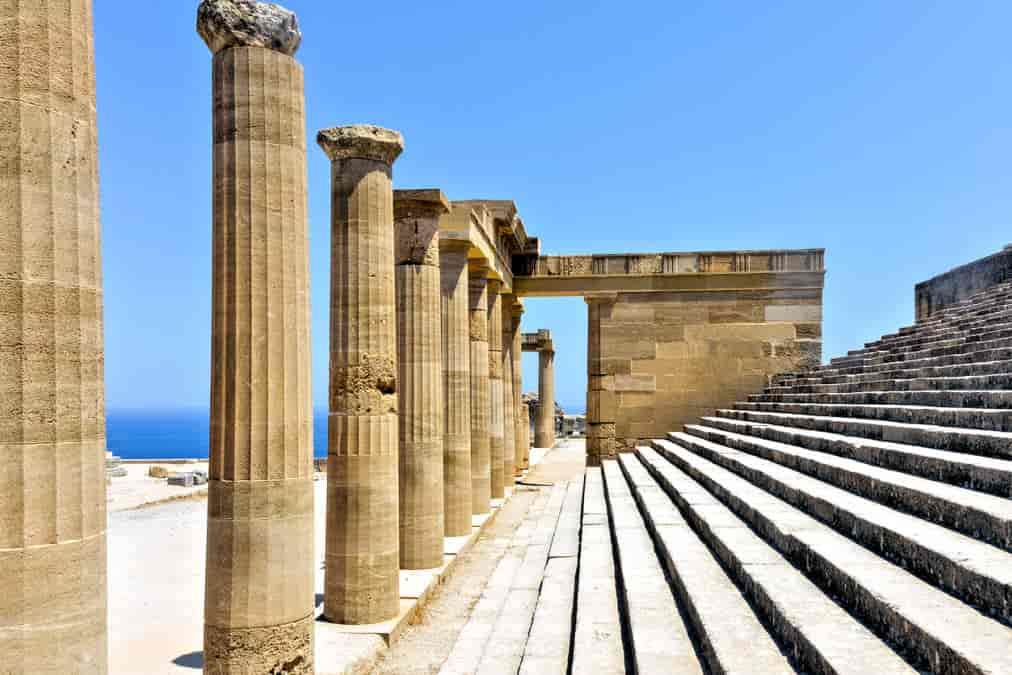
(258, 599)
(526, 412)
(521, 454)
(52, 400)
(600, 385)
(456, 387)
(362, 577)
(496, 440)
(481, 472)
(420, 375)
(544, 430)
(509, 454)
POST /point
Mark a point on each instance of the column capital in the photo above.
(361, 141)
(600, 297)
(246, 23)
(426, 203)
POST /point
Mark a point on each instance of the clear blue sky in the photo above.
(879, 130)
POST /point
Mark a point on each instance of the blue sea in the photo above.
(173, 434)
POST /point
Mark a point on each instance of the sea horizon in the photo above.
(181, 433)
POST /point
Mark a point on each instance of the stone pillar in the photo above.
(419, 375)
(258, 598)
(481, 472)
(362, 558)
(526, 411)
(496, 439)
(456, 387)
(509, 454)
(544, 430)
(601, 442)
(52, 400)
(522, 456)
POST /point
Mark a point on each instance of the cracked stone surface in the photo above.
(247, 23)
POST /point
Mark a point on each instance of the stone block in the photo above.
(625, 383)
(794, 313)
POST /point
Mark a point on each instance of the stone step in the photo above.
(656, 638)
(469, 649)
(819, 635)
(902, 355)
(984, 517)
(550, 639)
(974, 382)
(928, 397)
(976, 430)
(505, 648)
(731, 638)
(983, 474)
(597, 634)
(935, 630)
(976, 572)
(978, 356)
(955, 370)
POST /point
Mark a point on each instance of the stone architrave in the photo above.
(259, 597)
(456, 386)
(481, 471)
(544, 431)
(420, 376)
(509, 412)
(496, 438)
(362, 559)
(521, 454)
(52, 424)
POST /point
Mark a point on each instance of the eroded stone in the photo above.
(247, 23)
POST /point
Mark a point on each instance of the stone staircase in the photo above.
(852, 519)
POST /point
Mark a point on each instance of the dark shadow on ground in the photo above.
(192, 660)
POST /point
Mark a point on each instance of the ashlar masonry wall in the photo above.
(659, 360)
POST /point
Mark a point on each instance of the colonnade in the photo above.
(424, 394)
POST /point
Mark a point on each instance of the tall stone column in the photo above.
(420, 375)
(362, 577)
(258, 599)
(544, 430)
(509, 454)
(496, 439)
(481, 467)
(600, 385)
(52, 397)
(521, 454)
(456, 387)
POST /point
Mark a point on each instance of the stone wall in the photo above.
(947, 289)
(657, 361)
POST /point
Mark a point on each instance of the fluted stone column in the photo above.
(496, 423)
(519, 421)
(258, 600)
(420, 375)
(544, 430)
(481, 466)
(456, 386)
(509, 454)
(526, 412)
(362, 575)
(52, 397)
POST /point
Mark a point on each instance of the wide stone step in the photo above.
(656, 638)
(930, 397)
(505, 648)
(547, 647)
(971, 356)
(954, 370)
(819, 635)
(985, 517)
(976, 382)
(597, 634)
(732, 640)
(984, 474)
(937, 631)
(975, 430)
(469, 649)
